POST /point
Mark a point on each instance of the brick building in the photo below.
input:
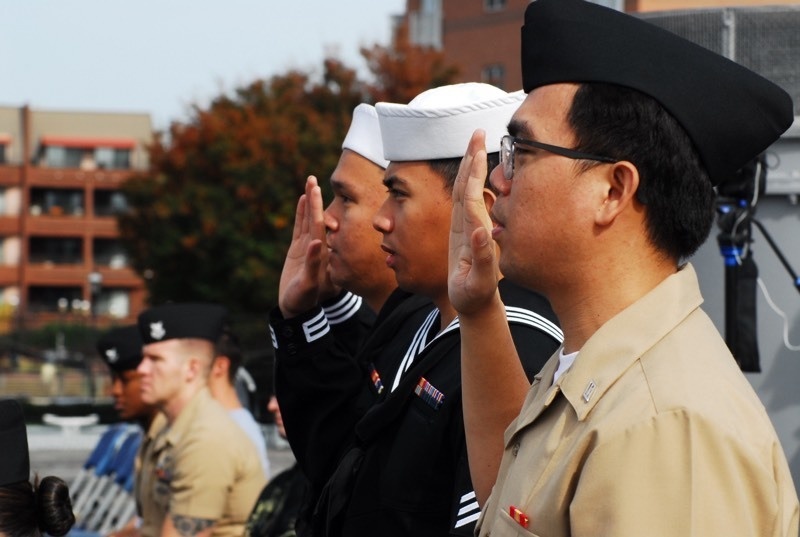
(482, 37)
(60, 254)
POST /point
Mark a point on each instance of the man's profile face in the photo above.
(126, 391)
(415, 222)
(163, 371)
(541, 214)
(356, 261)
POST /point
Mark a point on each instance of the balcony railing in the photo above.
(9, 225)
(10, 175)
(74, 176)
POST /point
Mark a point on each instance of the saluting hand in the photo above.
(304, 277)
(473, 273)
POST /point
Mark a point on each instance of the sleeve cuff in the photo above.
(342, 308)
(290, 334)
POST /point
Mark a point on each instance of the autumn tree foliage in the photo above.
(211, 220)
(403, 70)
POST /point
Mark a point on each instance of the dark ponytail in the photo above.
(53, 507)
(30, 510)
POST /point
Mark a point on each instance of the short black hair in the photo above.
(228, 346)
(674, 186)
(447, 168)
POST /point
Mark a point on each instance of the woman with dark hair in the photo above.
(27, 509)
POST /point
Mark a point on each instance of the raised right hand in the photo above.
(473, 271)
(304, 272)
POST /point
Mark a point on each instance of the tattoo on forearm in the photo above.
(188, 526)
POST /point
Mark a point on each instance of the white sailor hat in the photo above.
(364, 136)
(439, 122)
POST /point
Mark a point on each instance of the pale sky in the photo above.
(159, 56)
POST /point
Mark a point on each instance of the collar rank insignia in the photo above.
(428, 393)
(112, 355)
(376, 378)
(589, 391)
(157, 330)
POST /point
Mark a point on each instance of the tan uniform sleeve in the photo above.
(680, 475)
(205, 471)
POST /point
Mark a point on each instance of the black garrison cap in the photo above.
(121, 348)
(179, 321)
(730, 113)
(15, 465)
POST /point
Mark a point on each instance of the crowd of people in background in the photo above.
(492, 328)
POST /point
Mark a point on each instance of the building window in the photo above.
(110, 253)
(430, 6)
(85, 158)
(62, 157)
(3, 153)
(109, 203)
(619, 5)
(494, 5)
(109, 158)
(114, 302)
(56, 251)
(494, 74)
(10, 250)
(56, 202)
(46, 299)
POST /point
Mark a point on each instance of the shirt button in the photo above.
(287, 331)
(291, 348)
(515, 449)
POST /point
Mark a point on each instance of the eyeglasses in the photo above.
(508, 143)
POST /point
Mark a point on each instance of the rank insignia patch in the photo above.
(428, 393)
(376, 378)
(518, 516)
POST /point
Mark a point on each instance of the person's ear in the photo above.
(218, 366)
(620, 182)
(489, 198)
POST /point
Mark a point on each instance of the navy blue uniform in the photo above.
(404, 469)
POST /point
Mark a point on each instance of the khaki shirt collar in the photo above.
(156, 426)
(614, 348)
(185, 419)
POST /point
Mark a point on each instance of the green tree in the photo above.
(212, 219)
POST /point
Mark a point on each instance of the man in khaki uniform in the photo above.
(201, 474)
(142, 486)
(121, 349)
(642, 423)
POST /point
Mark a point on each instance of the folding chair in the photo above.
(124, 507)
(96, 493)
(112, 495)
(100, 456)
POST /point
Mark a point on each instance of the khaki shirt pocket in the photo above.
(506, 526)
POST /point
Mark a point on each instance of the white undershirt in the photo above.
(564, 362)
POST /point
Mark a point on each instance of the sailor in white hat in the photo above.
(333, 284)
(407, 472)
(340, 240)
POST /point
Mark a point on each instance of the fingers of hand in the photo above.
(468, 188)
(313, 264)
(299, 217)
(482, 249)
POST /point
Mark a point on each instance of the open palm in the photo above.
(304, 276)
(472, 280)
